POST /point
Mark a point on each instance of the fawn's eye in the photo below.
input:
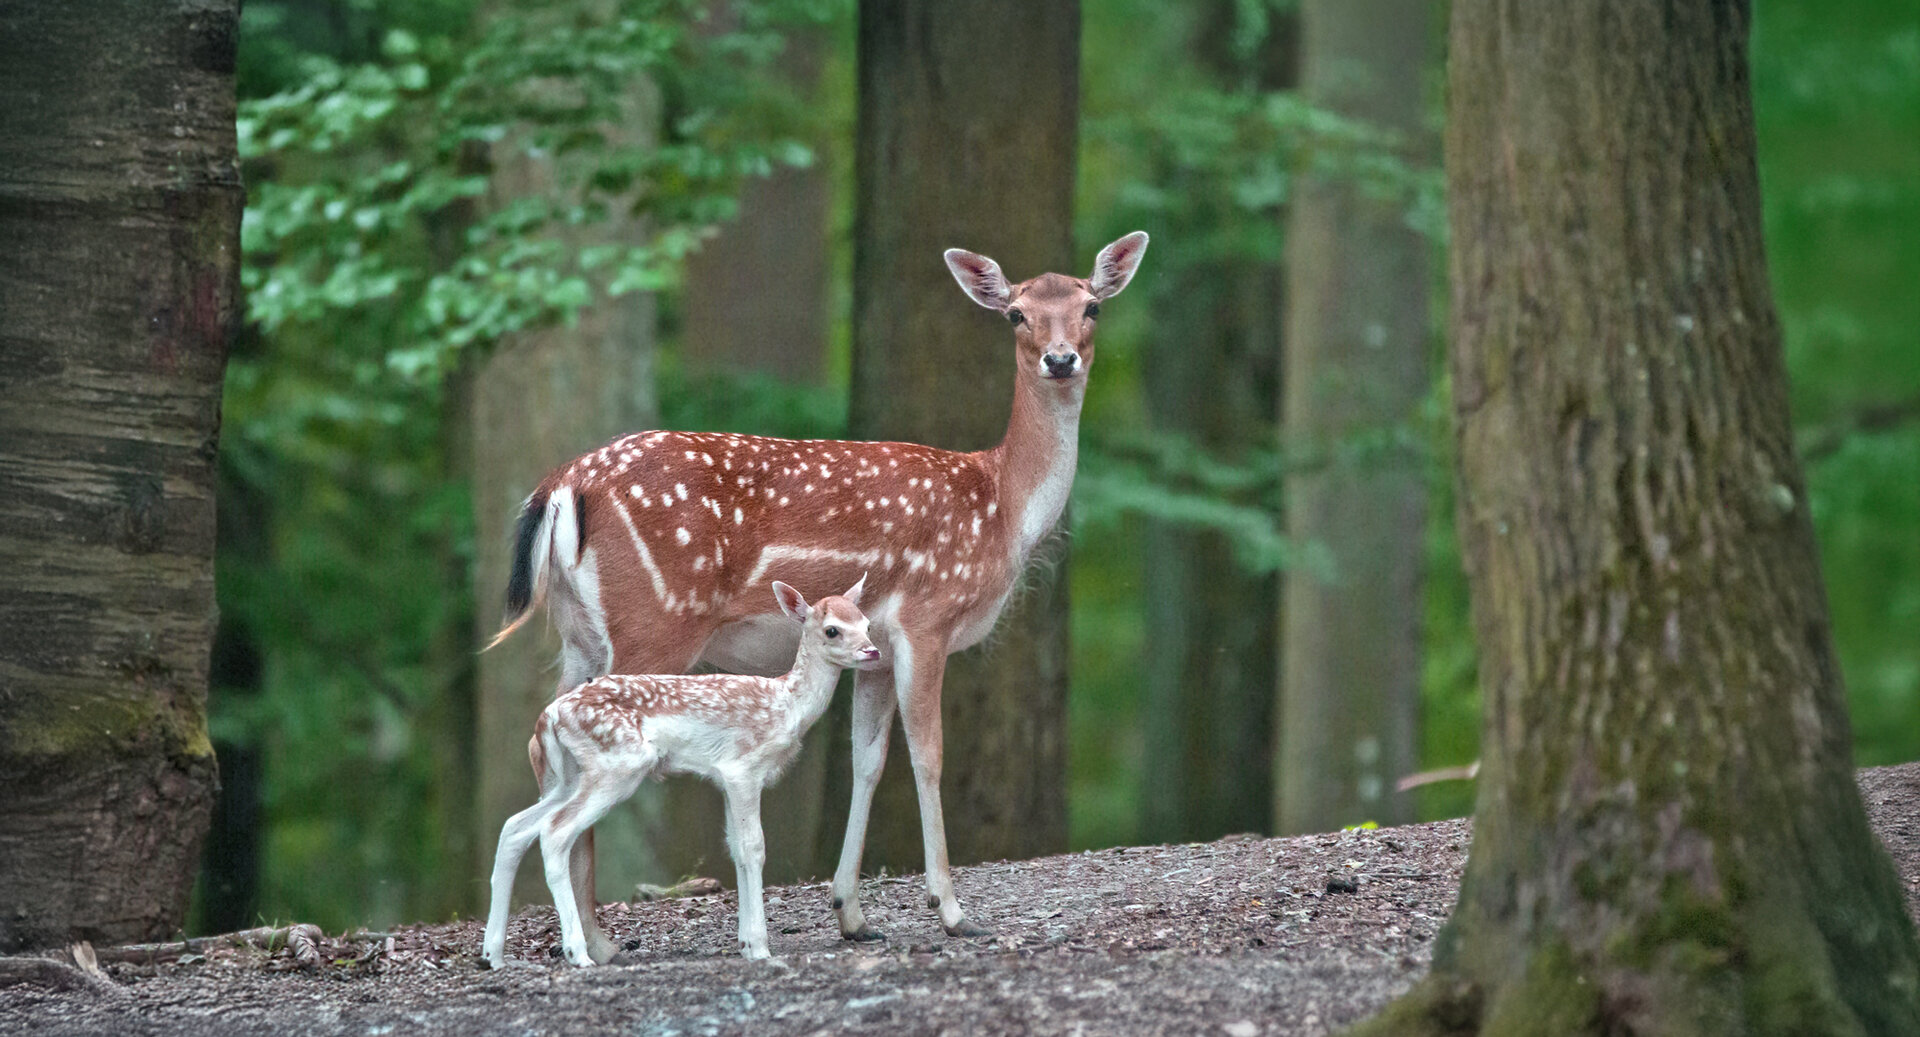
(1093, 310)
(833, 631)
(1016, 318)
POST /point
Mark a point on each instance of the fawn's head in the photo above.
(1053, 315)
(833, 625)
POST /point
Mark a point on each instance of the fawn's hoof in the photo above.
(864, 934)
(965, 929)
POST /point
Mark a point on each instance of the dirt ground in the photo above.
(1238, 937)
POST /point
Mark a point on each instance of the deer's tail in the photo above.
(549, 528)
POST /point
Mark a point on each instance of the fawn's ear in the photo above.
(790, 601)
(853, 592)
(981, 279)
(1115, 265)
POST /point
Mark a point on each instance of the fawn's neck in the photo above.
(811, 681)
(1034, 464)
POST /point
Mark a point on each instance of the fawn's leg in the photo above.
(873, 706)
(749, 848)
(597, 794)
(917, 681)
(515, 836)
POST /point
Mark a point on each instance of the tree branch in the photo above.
(1822, 443)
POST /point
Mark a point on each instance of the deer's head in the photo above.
(834, 625)
(1053, 315)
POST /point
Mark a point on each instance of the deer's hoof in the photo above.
(965, 929)
(864, 934)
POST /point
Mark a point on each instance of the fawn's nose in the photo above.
(1060, 365)
(869, 654)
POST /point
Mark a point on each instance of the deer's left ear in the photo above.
(853, 592)
(1115, 265)
(980, 278)
(790, 601)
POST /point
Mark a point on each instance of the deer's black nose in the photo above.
(1059, 365)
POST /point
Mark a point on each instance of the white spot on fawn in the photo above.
(682, 536)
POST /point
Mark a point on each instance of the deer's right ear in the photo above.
(981, 279)
(790, 601)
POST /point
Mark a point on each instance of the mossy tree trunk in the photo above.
(120, 212)
(1668, 838)
(1357, 366)
(968, 124)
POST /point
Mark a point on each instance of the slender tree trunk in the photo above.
(1668, 837)
(1356, 366)
(968, 117)
(541, 399)
(120, 212)
(756, 295)
(1212, 368)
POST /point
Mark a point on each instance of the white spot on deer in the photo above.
(869, 505)
(992, 506)
(883, 502)
(824, 473)
(680, 490)
(635, 492)
(808, 488)
(738, 516)
(681, 536)
(886, 527)
(689, 455)
(708, 458)
(976, 524)
(783, 500)
(891, 559)
(699, 562)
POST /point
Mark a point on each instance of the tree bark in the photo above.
(1356, 364)
(968, 119)
(1212, 367)
(120, 208)
(1668, 838)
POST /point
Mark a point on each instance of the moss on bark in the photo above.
(1668, 838)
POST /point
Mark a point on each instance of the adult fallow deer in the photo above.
(653, 552)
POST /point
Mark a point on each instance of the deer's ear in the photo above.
(980, 278)
(790, 601)
(853, 592)
(1115, 265)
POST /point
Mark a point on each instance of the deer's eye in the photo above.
(1093, 310)
(1016, 318)
(833, 631)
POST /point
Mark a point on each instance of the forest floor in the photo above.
(1239, 937)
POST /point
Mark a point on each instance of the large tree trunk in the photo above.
(1668, 837)
(543, 398)
(1356, 364)
(968, 117)
(120, 212)
(1211, 368)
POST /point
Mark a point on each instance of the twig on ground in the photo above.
(267, 938)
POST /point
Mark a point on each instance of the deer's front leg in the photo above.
(873, 705)
(749, 847)
(918, 686)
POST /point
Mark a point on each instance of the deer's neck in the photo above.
(811, 680)
(1035, 463)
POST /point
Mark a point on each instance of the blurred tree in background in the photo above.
(387, 260)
